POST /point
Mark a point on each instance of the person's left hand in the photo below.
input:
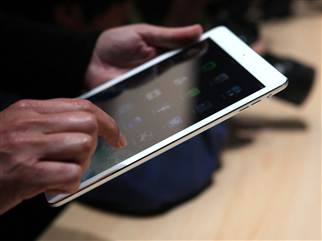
(120, 49)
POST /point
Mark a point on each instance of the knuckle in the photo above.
(20, 123)
(18, 141)
(91, 122)
(86, 163)
(83, 162)
(72, 188)
(74, 173)
(26, 123)
(86, 105)
(86, 120)
(13, 140)
(22, 104)
(87, 150)
(88, 144)
(74, 177)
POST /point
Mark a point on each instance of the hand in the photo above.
(45, 146)
(120, 49)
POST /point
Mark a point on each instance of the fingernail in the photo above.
(122, 141)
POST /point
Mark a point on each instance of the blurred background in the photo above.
(268, 185)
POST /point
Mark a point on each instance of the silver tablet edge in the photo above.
(165, 148)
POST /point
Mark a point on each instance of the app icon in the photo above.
(136, 121)
(145, 136)
(230, 93)
(194, 92)
(237, 89)
(209, 66)
(125, 109)
(153, 94)
(162, 109)
(203, 107)
(219, 79)
(175, 122)
(180, 80)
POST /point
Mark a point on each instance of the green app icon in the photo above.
(209, 66)
(194, 92)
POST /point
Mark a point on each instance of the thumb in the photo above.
(164, 37)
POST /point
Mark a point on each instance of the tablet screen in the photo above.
(169, 97)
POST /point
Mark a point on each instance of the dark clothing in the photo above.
(42, 61)
(28, 220)
(38, 61)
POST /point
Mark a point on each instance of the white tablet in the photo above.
(174, 97)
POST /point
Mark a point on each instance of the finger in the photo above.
(107, 127)
(69, 147)
(53, 105)
(52, 175)
(78, 121)
(163, 37)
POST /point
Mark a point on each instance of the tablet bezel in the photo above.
(240, 52)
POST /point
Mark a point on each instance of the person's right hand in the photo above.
(45, 146)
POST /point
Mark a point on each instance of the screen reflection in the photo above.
(169, 97)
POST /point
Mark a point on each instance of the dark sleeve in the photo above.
(42, 61)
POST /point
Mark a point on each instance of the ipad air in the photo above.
(174, 97)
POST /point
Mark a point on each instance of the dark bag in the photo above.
(164, 181)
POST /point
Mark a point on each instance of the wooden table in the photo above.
(269, 189)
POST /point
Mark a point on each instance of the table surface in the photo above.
(270, 189)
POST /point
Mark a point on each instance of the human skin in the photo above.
(45, 146)
(120, 49)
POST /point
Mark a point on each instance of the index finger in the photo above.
(108, 128)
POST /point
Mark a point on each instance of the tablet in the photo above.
(174, 97)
